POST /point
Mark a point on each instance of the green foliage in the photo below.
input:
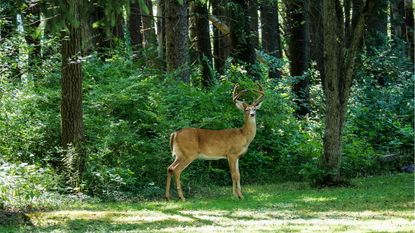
(130, 112)
(26, 186)
(381, 115)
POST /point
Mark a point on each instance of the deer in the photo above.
(189, 144)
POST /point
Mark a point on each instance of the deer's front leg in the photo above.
(236, 177)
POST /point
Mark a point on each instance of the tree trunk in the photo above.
(221, 42)
(243, 49)
(253, 23)
(299, 51)
(134, 26)
(271, 39)
(397, 16)
(409, 29)
(176, 38)
(100, 40)
(71, 94)
(201, 39)
(161, 32)
(117, 30)
(32, 21)
(338, 80)
(149, 33)
(377, 25)
(316, 36)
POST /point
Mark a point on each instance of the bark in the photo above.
(409, 28)
(149, 33)
(100, 40)
(243, 49)
(271, 39)
(397, 16)
(316, 36)
(253, 23)
(338, 80)
(222, 41)
(71, 94)
(161, 32)
(134, 26)
(299, 50)
(201, 39)
(117, 29)
(347, 18)
(377, 24)
(176, 38)
(32, 21)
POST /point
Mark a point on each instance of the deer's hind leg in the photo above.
(170, 170)
(177, 171)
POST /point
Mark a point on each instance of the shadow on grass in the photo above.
(10, 218)
(102, 225)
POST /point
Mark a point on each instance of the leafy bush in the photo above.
(27, 186)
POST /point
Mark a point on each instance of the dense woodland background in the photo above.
(91, 90)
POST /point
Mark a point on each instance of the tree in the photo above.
(397, 8)
(200, 37)
(32, 22)
(149, 33)
(71, 93)
(337, 80)
(271, 39)
(243, 47)
(377, 26)
(409, 28)
(134, 26)
(161, 32)
(221, 40)
(299, 51)
(176, 37)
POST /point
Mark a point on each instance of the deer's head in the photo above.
(249, 109)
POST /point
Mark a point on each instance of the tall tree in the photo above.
(71, 92)
(176, 37)
(271, 39)
(149, 32)
(337, 80)
(201, 39)
(134, 27)
(243, 48)
(32, 35)
(221, 40)
(397, 8)
(377, 25)
(316, 35)
(253, 23)
(161, 31)
(409, 28)
(299, 50)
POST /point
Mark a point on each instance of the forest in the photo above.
(94, 97)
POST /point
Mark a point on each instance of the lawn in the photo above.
(375, 204)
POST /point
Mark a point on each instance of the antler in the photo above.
(236, 95)
(261, 95)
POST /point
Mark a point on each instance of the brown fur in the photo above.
(191, 143)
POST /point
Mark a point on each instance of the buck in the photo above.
(192, 143)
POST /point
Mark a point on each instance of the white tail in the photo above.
(191, 143)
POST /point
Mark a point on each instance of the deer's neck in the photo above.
(249, 127)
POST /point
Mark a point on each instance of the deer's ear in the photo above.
(240, 105)
(258, 105)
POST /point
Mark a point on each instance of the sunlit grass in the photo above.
(378, 204)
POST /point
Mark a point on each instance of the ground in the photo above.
(375, 204)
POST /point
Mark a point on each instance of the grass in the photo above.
(375, 204)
